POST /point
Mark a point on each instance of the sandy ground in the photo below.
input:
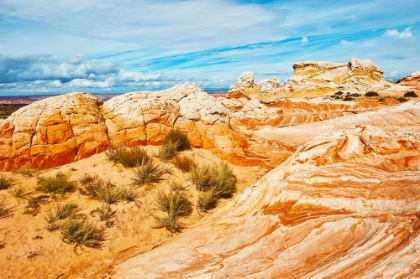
(28, 250)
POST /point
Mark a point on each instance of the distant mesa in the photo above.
(313, 78)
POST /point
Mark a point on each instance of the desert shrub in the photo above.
(128, 157)
(34, 204)
(202, 177)
(402, 100)
(4, 212)
(176, 136)
(107, 192)
(348, 98)
(371, 94)
(216, 182)
(175, 205)
(177, 187)
(338, 93)
(5, 182)
(58, 213)
(207, 200)
(27, 171)
(148, 173)
(105, 212)
(184, 163)
(381, 100)
(59, 184)
(128, 194)
(410, 94)
(18, 192)
(81, 232)
(167, 151)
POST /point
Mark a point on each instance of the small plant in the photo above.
(348, 98)
(371, 94)
(128, 194)
(82, 233)
(225, 182)
(105, 212)
(27, 171)
(4, 212)
(147, 173)
(167, 151)
(18, 192)
(184, 163)
(34, 204)
(175, 205)
(128, 157)
(5, 182)
(381, 100)
(174, 142)
(207, 200)
(59, 184)
(203, 177)
(402, 100)
(177, 187)
(338, 93)
(107, 192)
(58, 213)
(410, 94)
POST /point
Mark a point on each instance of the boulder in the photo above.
(272, 86)
(314, 78)
(53, 131)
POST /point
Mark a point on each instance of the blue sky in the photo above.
(105, 46)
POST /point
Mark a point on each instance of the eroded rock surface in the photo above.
(53, 131)
(343, 206)
(412, 79)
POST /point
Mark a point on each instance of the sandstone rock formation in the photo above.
(52, 132)
(313, 78)
(272, 86)
(412, 79)
(343, 206)
(245, 87)
(58, 130)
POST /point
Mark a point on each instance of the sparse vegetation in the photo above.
(106, 192)
(105, 212)
(18, 192)
(410, 94)
(402, 100)
(59, 213)
(175, 205)
(338, 93)
(371, 94)
(5, 182)
(128, 157)
(348, 98)
(148, 173)
(215, 181)
(381, 100)
(82, 233)
(174, 142)
(184, 163)
(34, 204)
(128, 194)
(27, 171)
(59, 184)
(4, 212)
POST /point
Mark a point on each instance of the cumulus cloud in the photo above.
(345, 43)
(304, 40)
(400, 35)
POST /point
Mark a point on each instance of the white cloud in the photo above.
(79, 82)
(369, 44)
(345, 43)
(304, 40)
(77, 59)
(393, 73)
(400, 35)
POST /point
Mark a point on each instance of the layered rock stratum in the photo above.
(345, 205)
(412, 79)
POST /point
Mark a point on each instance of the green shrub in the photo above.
(128, 157)
(5, 182)
(176, 136)
(18, 192)
(338, 93)
(128, 194)
(402, 100)
(225, 181)
(410, 94)
(59, 184)
(107, 192)
(105, 212)
(203, 177)
(371, 94)
(348, 98)
(207, 200)
(175, 205)
(148, 173)
(167, 151)
(184, 163)
(80, 232)
(58, 213)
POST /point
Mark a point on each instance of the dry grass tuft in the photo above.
(148, 173)
(59, 184)
(184, 163)
(5, 182)
(173, 143)
(4, 212)
(128, 157)
(33, 206)
(82, 233)
(18, 192)
(59, 213)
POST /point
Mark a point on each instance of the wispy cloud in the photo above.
(400, 35)
(345, 43)
(304, 40)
